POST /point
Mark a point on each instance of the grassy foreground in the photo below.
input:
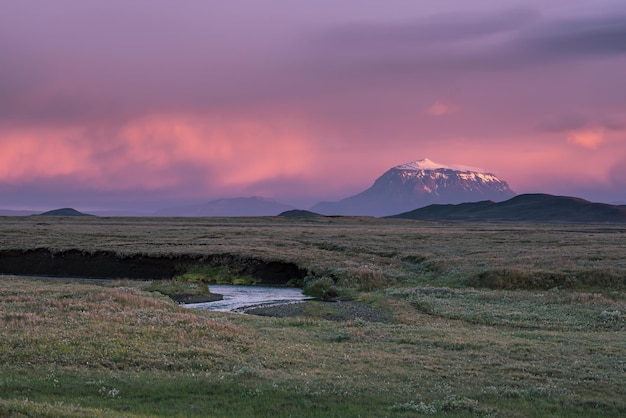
(114, 349)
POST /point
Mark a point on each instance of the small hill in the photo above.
(523, 208)
(64, 212)
(298, 213)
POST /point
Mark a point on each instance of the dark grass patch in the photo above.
(511, 279)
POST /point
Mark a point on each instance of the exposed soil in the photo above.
(108, 264)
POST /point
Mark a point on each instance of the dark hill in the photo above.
(297, 213)
(525, 208)
(64, 212)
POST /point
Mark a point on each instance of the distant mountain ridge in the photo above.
(523, 208)
(13, 212)
(417, 184)
(238, 206)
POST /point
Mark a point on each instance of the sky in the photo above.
(147, 104)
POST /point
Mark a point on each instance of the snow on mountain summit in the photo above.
(427, 164)
(419, 165)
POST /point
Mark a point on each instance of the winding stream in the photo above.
(237, 298)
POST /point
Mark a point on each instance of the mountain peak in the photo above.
(419, 165)
(427, 164)
(417, 184)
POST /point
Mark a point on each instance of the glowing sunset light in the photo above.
(439, 109)
(110, 104)
(589, 138)
(239, 152)
(31, 154)
(154, 152)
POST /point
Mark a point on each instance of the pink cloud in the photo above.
(240, 151)
(153, 152)
(207, 99)
(32, 153)
(439, 109)
(587, 138)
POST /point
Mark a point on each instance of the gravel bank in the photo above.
(333, 311)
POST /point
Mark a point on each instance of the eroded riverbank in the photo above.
(111, 265)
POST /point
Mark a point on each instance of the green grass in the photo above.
(213, 274)
(172, 394)
(549, 310)
(455, 346)
(177, 287)
(91, 350)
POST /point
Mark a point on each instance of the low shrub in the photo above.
(212, 274)
(611, 316)
(174, 288)
(318, 287)
(601, 278)
(364, 279)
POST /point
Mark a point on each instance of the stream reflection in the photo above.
(237, 298)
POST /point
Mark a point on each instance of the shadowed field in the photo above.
(353, 252)
(482, 320)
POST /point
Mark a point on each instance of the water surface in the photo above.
(238, 298)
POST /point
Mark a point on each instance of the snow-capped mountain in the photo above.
(420, 183)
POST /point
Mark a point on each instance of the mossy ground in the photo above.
(114, 349)
(89, 350)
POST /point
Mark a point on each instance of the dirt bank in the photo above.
(107, 264)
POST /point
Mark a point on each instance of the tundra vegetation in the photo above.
(485, 320)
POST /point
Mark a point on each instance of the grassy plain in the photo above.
(489, 320)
